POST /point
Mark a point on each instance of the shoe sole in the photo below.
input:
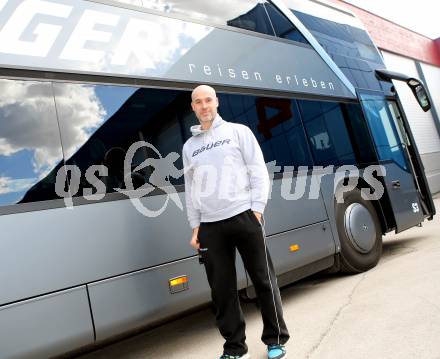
(284, 357)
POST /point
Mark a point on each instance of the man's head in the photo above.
(204, 104)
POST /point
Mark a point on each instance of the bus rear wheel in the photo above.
(359, 232)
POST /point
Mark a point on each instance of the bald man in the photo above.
(226, 190)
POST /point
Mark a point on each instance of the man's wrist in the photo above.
(258, 215)
(194, 223)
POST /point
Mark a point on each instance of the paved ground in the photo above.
(392, 311)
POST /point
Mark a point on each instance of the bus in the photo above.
(94, 246)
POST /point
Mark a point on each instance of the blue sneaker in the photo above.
(276, 351)
(244, 356)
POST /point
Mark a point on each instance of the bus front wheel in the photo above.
(359, 232)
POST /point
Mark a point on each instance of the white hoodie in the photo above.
(225, 173)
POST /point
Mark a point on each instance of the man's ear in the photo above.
(192, 106)
(216, 99)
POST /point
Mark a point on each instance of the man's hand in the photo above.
(258, 215)
(194, 240)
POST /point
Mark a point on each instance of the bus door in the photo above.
(391, 143)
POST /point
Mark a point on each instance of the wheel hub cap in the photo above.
(360, 228)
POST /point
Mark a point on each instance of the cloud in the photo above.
(146, 45)
(152, 45)
(28, 120)
(5, 148)
(211, 11)
(81, 112)
(9, 185)
(160, 42)
(132, 2)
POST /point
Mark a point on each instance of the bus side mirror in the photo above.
(420, 93)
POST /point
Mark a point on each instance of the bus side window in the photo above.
(246, 14)
(282, 26)
(104, 123)
(275, 123)
(30, 145)
(327, 134)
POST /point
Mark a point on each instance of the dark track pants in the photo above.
(218, 241)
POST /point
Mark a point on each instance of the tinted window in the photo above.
(350, 48)
(275, 123)
(282, 26)
(30, 147)
(255, 19)
(386, 137)
(327, 133)
(359, 132)
(101, 123)
(244, 14)
(340, 38)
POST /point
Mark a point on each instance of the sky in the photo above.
(418, 15)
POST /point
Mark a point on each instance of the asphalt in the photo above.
(391, 311)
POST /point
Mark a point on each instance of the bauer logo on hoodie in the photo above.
(211, 145)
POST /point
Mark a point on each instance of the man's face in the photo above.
(204, 104)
